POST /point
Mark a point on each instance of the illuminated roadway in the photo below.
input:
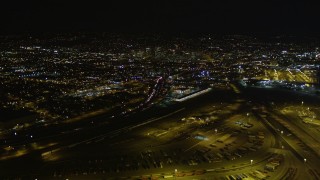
(100, 132)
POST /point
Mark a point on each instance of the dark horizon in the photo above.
(226, 17)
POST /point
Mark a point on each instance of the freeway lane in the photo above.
(77, 137)
(259, 97)
(120, 131)
(308, 135)
(127, 132)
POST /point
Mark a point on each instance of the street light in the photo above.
(305, 160)
(216, 130)
(248, 117)
(302, 103)
(251, 161)
(175, 173)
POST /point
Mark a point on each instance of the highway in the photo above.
(106, 141)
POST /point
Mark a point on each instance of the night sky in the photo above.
(216, 16)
